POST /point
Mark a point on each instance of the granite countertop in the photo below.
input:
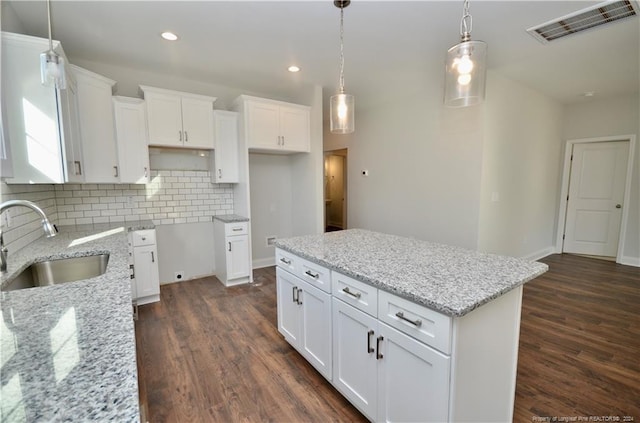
(230, 218)
(68, 350)
(451, 280)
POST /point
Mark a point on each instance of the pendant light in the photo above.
(342, 105)
(52, 73)
(466, 67)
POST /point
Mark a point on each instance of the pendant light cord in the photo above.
(49, 19)
(342, 50)
(466, 24)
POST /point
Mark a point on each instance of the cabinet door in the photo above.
(197, 123)
(295, 128)
(315, 343)
(237, 256)
(164, 117)
(354, 357)
(226, 154)
(71, 130)
(30, 113)
(145, 261)
(413, 380)
(131, 135)
(263, 129)
(97, 130)
(288, 308)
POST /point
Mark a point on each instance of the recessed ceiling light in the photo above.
(589, 94)
(169, 36)
(293, 68)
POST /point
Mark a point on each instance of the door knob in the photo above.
(618, 206)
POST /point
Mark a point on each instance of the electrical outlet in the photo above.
(129, 202)
(178, 275)
(271, 240)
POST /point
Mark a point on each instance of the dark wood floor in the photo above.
(212, 354)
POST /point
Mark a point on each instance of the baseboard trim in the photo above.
(264, 262)
(540, 254)
(630, 261)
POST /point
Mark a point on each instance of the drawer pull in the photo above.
(353, 294)
(369, 349)
(285, 261)
(417, 323)
(378, 353)
(314, 276)
(236, 229)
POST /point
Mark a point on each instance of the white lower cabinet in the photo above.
(386, 374)
(233, 261)
(304, 319)
(145, 276)
(396, 360)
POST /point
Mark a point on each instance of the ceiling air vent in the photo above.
(600, 14)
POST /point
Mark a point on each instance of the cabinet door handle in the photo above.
(298, 297)
(180, 135)
(353, 294)
(378, 353)
(314, 276)
(229, 246)
(295, 289)
(417, 323)
(369, 349)
(153, 258)
(219, 173)
(186, 136)
(283, 140)
(285, 261)
(78, 166)
(116, 173)
(145, 172)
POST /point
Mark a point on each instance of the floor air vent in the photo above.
(600, 14)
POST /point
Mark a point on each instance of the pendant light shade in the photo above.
(342, 105)
(466, 69)
(52, 65)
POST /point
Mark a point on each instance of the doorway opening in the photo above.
(335, 190)
(594, 199)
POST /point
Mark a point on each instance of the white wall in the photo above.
(611, 117)
(424, 165)
(271, 203)
(520, 171)
(187, 248)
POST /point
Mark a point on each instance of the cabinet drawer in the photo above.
(286, 260)
(358, 294)
(424, 324)
(145, 237)
(314, 274)
(238, 228)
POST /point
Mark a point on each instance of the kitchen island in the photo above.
(405, 329)
(68, 350)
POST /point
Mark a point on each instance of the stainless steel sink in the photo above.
(53, 272)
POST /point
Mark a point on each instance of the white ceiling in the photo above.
(389, 45)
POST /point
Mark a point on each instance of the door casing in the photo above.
(564, 190)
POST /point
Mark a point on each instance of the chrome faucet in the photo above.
(49, 229)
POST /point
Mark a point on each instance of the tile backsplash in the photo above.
(171, 196)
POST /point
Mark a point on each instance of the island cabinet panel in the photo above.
(397, 360)
(304, 319)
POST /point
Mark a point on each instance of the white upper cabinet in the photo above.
(32, 124)
(97, 129)
(225, 158)
(274, 126)
(131, 136)
(178, 119)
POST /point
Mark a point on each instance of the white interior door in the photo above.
(596, 193)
